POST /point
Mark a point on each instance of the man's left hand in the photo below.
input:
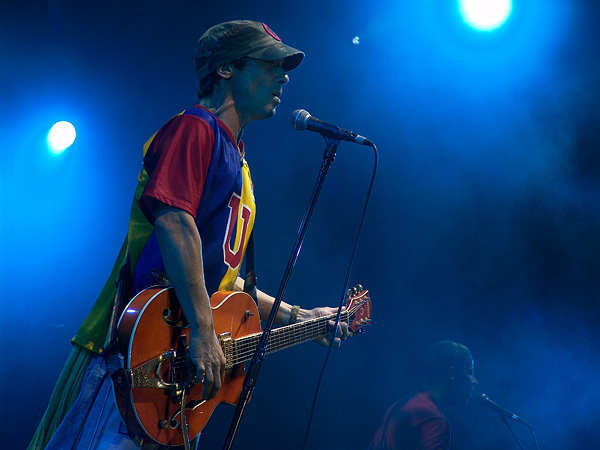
(342, 329)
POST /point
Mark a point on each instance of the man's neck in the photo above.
(223, 107)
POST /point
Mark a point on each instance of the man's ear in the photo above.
(225, 71)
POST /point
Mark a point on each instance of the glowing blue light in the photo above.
(485, 15)
(61, 136)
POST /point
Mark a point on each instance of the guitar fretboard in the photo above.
(282, 338)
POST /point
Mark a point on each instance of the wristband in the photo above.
(294, 314)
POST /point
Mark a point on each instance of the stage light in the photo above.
(485, 15)
(61, 136)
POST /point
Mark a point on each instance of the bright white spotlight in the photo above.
(61, 136)
(485, 15)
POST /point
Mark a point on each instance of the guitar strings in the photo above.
(244, 348)
(287, 336)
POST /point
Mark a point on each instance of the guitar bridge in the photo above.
(147, 375)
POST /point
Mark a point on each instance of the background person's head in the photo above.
(449, 373)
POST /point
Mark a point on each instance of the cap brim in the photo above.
(291, 57)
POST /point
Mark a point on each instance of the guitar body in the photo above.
(153, 339)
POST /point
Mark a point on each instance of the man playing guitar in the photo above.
(191, 221)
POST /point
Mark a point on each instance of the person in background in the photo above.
(418, 422)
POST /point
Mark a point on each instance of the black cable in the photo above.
(534, 436)
(342, 300)
(184, 425)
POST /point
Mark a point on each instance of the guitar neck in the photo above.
(298, 333)
(283, 337)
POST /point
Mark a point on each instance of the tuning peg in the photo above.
(355, 290)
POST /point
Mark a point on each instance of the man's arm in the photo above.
(435, 435)
(265, 303)
(181, 247)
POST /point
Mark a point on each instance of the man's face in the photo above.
(464, 383)
(257, 88)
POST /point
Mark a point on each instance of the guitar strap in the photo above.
(115, 362)
(123, 283)
(250, 278)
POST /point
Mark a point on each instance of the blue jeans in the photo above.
(94, 422)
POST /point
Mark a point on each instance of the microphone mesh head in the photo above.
(299, 118)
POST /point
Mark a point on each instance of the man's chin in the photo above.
(270, 112)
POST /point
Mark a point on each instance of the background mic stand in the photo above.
(255, 363)
(505, 420)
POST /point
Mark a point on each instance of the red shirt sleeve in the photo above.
(435, 434)
(177, 163)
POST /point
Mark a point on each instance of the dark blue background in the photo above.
(484, 225)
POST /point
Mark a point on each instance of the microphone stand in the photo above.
(505, 421)
(256, 362)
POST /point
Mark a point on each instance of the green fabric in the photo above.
(91, 336)
(62, 398)
(93, 331)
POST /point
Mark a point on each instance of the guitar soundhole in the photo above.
(173, 321)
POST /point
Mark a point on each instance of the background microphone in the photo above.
(485, 401)
(302, 120)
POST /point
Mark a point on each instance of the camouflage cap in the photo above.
(233, 40)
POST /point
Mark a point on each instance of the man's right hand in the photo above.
(207, 355)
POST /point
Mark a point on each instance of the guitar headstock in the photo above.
(358, 307)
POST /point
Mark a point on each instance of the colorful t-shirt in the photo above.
(413, 424)
(191, 163)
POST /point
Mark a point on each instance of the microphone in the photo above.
(485, 401)
(302, 120)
